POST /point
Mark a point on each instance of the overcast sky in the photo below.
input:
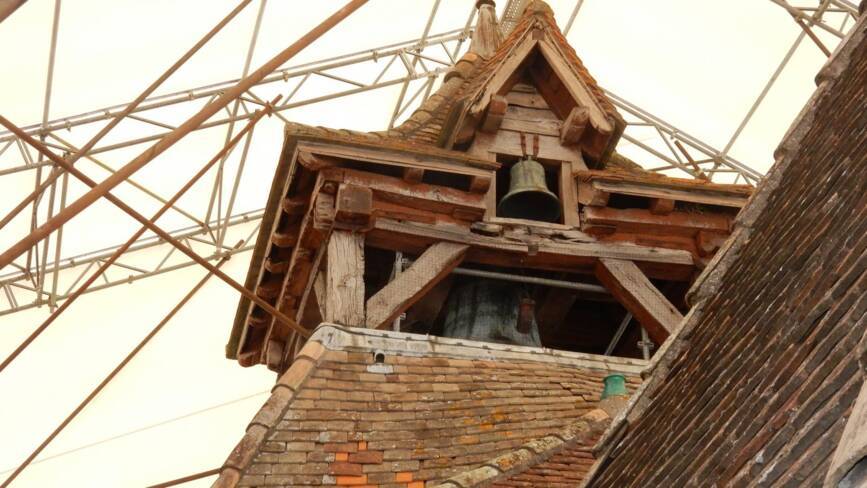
(697, 64)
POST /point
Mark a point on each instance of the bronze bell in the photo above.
(529, 197)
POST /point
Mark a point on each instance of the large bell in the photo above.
(529, 197)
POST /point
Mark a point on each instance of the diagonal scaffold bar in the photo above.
(123, 248)
(175, 135)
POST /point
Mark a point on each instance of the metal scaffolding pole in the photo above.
(118, 117)
(171, 138)
(129, 357)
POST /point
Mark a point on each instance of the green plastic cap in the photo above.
(615, 385)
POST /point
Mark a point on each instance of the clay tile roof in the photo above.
(432, 409)
(756, 386)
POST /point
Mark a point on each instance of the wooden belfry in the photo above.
(378, 230)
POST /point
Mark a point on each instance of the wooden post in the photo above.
(638, 295)
(569, 195)
(397, 296)
(344, 302)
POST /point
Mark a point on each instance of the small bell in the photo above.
(529, 197)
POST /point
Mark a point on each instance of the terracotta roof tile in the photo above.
(433, 409)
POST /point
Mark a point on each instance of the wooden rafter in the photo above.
(402, 292)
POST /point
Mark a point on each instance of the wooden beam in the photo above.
(690, 192)
(644, 221)
(413, 175)
(661, 206)
(494, 114)
(588, 194)
(344, 303)
(353, 206)
(638, 295)
(414, 238)
(569, 195)
(398, 295)
(574, 125)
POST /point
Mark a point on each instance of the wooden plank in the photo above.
(643, 221)
(696, 195)
(638, 295)
(344, 302)
(413, 238)
(398, 295)
(532, 114)
(494, 115)
(574, 125)
(420, 195)
(543, 127)
(569, 195)
(509, 142)
(392, 157)
(529, 100)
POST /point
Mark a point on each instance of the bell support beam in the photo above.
(425, 273)
(637, 294)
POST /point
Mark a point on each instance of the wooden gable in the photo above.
(536, 75)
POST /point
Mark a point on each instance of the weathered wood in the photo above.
(413, 175)
(420, 195)
(696, 195)
(575, 86)
(509, 142)
(315, 162)
(574, 125)
(393, 157)
(661, 206)
(398, 295)
(529, 100)
(344, 303)
(543, 127)
(353, 205)
(506, 76)
(590, 195)
(548, 254)
(638, 295)
(531, 114)
(480, 184)
(639, 220)
(568, 195)
(494, 115)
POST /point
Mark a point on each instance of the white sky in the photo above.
(697, 64)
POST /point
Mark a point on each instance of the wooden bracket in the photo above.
(494, 115)
(354, 206)
(638, 295)
(574, 125)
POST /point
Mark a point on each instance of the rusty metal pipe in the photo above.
(174, 136)
(122, 249)
(120, 116)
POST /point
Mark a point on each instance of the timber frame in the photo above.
(346, 205)
(411, 201)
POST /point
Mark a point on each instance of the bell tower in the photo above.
(499, 212)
